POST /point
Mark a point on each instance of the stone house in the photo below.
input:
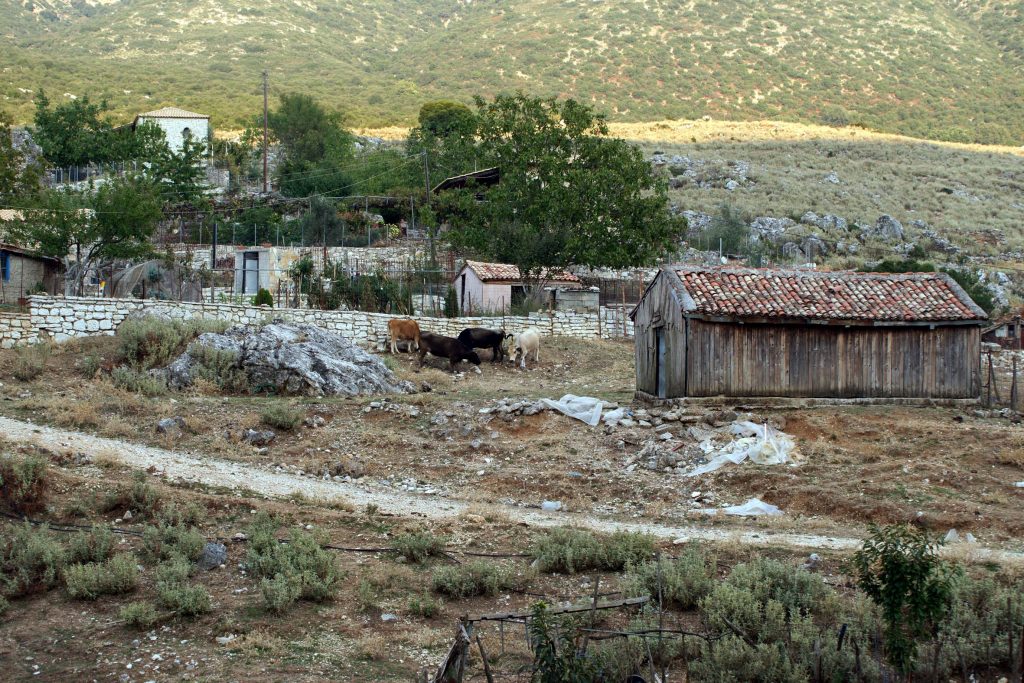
(21, 272)
(177, 124)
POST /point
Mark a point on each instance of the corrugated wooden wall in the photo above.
(660, 300)
(823, 361)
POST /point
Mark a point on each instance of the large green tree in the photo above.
(181, 176)
(568, 194)
(89, 229)
(316, 148)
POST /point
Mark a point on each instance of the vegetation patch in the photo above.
(23, 482)
(568, 551)
(117, 575)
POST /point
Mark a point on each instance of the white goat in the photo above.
(526, 341)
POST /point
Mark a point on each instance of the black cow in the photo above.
(483, 338)
(446, 347)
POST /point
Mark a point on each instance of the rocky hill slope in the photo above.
(946, 69)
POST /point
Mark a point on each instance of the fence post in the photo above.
(1013, 386)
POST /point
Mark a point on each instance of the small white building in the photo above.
(496, 287)
(177, 124)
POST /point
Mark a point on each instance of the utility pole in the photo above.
(426, 203)
(266, 187)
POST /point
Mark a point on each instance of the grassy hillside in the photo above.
(930, 68)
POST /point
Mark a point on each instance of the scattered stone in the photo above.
(258, 438)
(127, 515)
(315, 421)
(213, 555)
(812, 563)
(388, 618)
(170, 425)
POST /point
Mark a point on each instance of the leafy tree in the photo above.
(568, 193)
(727, 231)
(181, 176)
(87, 230)
(446, 135)
(555, 654)
(73, 133)
(445, 119)
(19, 177)
(900, 570)
(314, 143)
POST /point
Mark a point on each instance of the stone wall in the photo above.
(16, 330)
(63, 318)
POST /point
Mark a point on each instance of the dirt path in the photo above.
(183, 466)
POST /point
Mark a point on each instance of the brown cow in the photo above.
(404, 329)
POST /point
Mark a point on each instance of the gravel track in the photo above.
(210, 471)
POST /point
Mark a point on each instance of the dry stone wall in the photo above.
(63, 318)
(16, 330)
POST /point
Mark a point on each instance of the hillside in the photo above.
(945, 69)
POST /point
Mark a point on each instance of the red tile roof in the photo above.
(825, 296)
(505, 272)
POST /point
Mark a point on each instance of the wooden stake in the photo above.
(483, 656)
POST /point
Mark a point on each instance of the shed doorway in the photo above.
(659, 360)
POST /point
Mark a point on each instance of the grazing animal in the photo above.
(526, 341)
(403, 329)
(483, 338)
(447, 347)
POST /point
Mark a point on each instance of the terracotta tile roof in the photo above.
(171, 113)
(505, 272)
(825, 296)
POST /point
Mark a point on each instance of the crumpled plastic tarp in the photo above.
(759, 443)
(755, 507)
(586, 409)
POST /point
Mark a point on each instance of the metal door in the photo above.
(251, 274)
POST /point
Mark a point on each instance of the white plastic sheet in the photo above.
(755, 507)
(582, 408)
(759, 443)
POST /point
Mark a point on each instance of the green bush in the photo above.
(478, 577)
(138, 381)
(30, 361)
(117, 575)
(139, 614)
(23, 483)
(425, 606)
(899, 568)
(300, 560)
(174, 591)
(684, 582)
(219, 367)
(3, 605)
(173, 514)
(451, 303)
(263, 298)
(419, 546)
(89, 366)
(142, 497)
(281, 592)
(568, 551)
(165, 541)
(149, 342)
(96, 545)
(30, 560)
(282, 416)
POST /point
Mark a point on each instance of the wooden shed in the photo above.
(746, 332)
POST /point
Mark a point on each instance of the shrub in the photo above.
(301, 560)
(366, 596)
(478, 577)
(166, 541)
(23, 483)
(172, 514)
(142, 497)
(263, 298)
(280, 592)
(3, 605)
(978, 627)
(117, 575)
(568, 551)
(451, 303)
(174, 591)
(150, 342)
(425, 605)
(684, 581)
(419, 546)
(89, 366)
(139, 614)
(219, 367)
(282, 416)
(30, 361)
(138, 381)
(899, 568)
(30, 560)
(95, 545)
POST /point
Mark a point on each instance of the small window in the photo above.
(5, 267)
(186, 133)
